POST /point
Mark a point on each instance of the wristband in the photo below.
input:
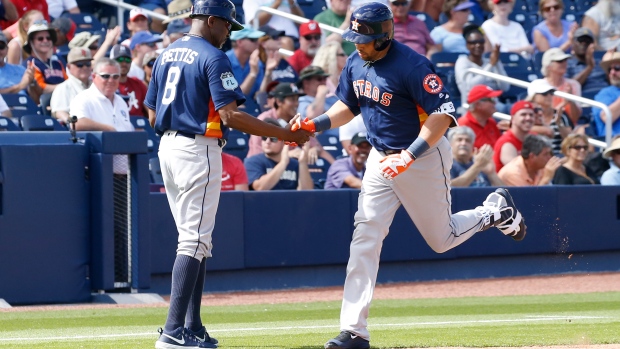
(418, 147)
(322, 123)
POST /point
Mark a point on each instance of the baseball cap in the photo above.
(3, 38)
(519, 106)
(137, 12)
(246, 33)
(358, 138)
(178, 9)
(178, 26)
(150, 56)
(271, 31)
(310, 71)
(119, 50)
(77, 54)
(554, 54)
(285, 89)
(83, 39)
(38, 26)
(479, 92)
(583, 31)
(143, 37)
(539, 86)
(309, 28)
(66, 26)
(463, 6)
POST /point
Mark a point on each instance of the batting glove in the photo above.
(306, 124)
(395, 164)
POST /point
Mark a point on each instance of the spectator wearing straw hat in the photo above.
(609, 95)
(178, 19)
(80, 70)
(612, 176)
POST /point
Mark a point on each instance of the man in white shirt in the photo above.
(80, 70)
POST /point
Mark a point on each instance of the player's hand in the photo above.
(393, 165)
(295, 138)
(305, 124)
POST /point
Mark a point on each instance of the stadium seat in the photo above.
(331, 144)
(20, 104)
(140, 123)
(155, 169)
(424, 17)
(445, 59)
(86, 22)
(37, 122)
(251, 107)
(6, 124)
(237, 144)
(44, 103)
(318, 172)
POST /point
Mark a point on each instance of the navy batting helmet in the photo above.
(371, 21)
(218, 8)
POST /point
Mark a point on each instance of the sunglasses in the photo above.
(320, 78)
(150, 44)
(615, 67)
(108, 76)
(579, 147)
(150, 63)
(83, 64)
(3, 46)
(123, 60)
(44, 38)
(312, 37)
(272, 139)
(400, 3)
(475, 42)
(554, 7)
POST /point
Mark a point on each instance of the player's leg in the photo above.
(193, 321)
(377, 205)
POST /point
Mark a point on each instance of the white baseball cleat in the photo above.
(500, 211)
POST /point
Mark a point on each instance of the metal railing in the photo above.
(294, 18)
(120, 13)
(570, 97)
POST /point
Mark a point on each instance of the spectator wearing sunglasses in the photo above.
(147, 65)
(574, 171)
(244, 58)
(309, 43)
(142, 43)
(553, 31)
(80, 71)
(554, 67)
(276, 169)
(49, 69)
(449, 36)
(609, 96)
(130, 88)
(13, 78)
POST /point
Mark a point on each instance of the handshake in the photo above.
(298, 124)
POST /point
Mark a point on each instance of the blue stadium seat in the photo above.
(311, 8)
(424, 17)
(331, 144)
(526, 19)
(318, 172)
(44, 103)
(237, 144)
(20, 104)
(37, 122)
(6, 124)
(140, 123)
(86, 22)
(251, 107)
(155, 170)
(445, 59)
(514, 61)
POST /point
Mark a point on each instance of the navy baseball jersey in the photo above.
(394, 102)
(183, 105)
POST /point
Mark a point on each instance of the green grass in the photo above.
(575, 319)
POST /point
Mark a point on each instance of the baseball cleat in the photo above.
(347, 340)
(202, 335)
(180, 339)
(500, 211)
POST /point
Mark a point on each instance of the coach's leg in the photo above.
(192, 319)
(377, 205)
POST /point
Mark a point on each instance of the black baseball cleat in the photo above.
(500, 211)
(347, 340)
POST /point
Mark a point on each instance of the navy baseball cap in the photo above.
(143, 37)
(119, 50)
(359, 138)
(285, 89)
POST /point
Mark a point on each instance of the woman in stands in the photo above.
(16, 54)
(509, 34)
(553, 123)
(575, 147)
(553, 31)
(554, 65)
(449, 36)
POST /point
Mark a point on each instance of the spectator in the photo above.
(65, 31)
(177, 29)
(603, 19)
(13, 78)
(250, 8)
(575, 147)
(449, 36)
(91, 42)
(141, 43)
(479, 116)
(4, 108)
(11, 28)
(16, 53)
(535, 166)
(8, 12)
(331, 58)
(465, 80)
(553, 31)
(309, 43)
(554, 66)
(506, 33)
(508, 146)
(274, 169)
(80, 71)
(245, 60)
(49, 70)
(178, 19)
(147, 65)
(554, 123)
(582, 66)
(338, 15)
(318, 98)
(411, 31)
(138, 22)
(130, 88)
(471, 167)
(58, 7)
(348, 130)
(276, 67)
(612, 175)
(234, 176)
(433, 8)
(609, 95)
(348, 172)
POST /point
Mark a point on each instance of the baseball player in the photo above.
(192, 99)
(406, 112)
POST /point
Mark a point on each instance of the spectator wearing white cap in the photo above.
(13, 78)
(138, 21)
(80, 69)
(245, 60)
(552, 123)
(554, 66)
(141, 43)
(309, 43)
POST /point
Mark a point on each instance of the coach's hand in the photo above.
(294, 138)
(395, 164)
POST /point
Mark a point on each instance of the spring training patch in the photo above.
(228, 81)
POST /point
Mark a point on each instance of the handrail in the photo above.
(565, 95)
(121, 6)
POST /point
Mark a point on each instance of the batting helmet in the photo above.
(218, 8)
(371, 21)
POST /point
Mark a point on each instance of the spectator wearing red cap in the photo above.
(250, 9)
(138, 22)
(508, 146)
(479, 116)
(309, 43)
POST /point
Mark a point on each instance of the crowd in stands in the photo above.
(285, 68)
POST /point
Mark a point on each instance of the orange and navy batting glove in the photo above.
(305, 124)
(395, 164)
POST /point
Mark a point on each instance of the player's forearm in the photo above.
(339, 114)
(434, 128)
